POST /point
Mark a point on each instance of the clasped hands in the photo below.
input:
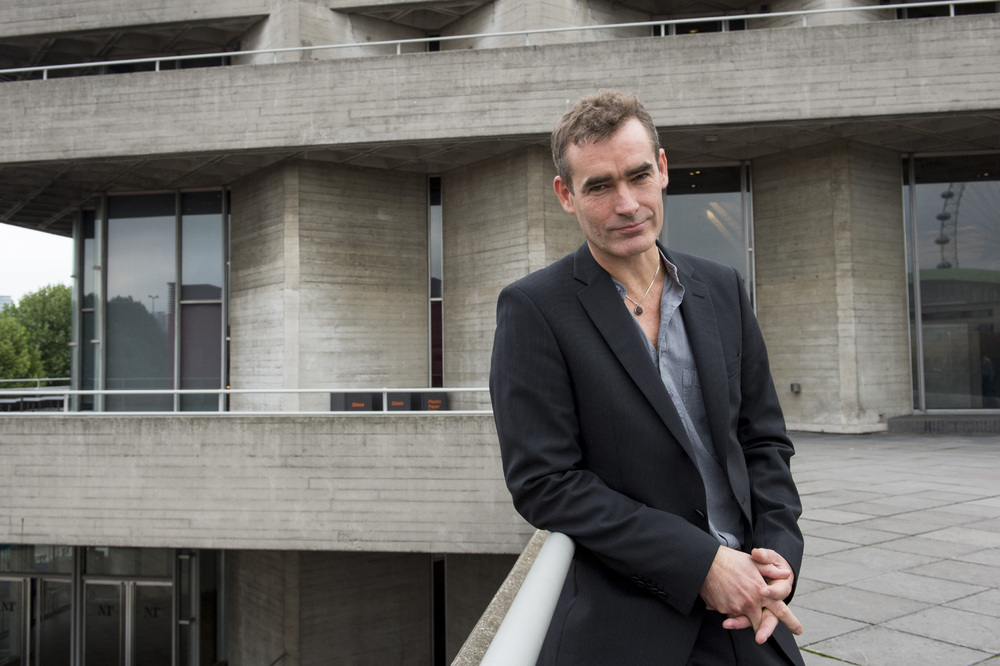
(750, 589)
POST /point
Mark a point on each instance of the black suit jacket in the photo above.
(593, 447)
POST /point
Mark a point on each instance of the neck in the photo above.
(633, 272)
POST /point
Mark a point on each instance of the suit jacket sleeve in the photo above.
(767, 450)
(536, 412)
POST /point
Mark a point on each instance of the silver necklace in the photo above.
(638, 304)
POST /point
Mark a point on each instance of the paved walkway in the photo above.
(902, 558)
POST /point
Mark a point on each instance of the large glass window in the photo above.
(706, 211)
(953, 222)
(141, 270)
(133, 255)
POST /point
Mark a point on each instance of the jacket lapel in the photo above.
(706, 346)
(599, 299)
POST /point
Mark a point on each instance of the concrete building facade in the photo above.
(309, 205)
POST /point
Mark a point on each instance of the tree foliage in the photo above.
(19, 357)
(45, 317)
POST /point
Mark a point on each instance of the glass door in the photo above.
(12, 614)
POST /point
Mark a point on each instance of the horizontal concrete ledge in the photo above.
(947, 424)
(883, 68)
(482, 635)
(838, 428)
(302, 482)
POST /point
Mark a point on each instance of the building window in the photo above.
(707, 213)
(953, 266)
(78, 606)
(152, 311)
(436, 265)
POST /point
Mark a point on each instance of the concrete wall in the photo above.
(320, 608)
(261, 591)
(511, 15)
(880, 68)
(297, 23)
(423, 482)
(831, 284)
(329, 282)
(365, 608)
(501, 221)
(834, 18)
(264, 257)
(30, 17)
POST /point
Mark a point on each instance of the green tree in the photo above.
(19, 357)
(46, 315)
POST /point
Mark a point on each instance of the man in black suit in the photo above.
(637, 415)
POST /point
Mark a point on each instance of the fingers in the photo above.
(781, 612)
(769, 621)
(770, 564)
(741, 622)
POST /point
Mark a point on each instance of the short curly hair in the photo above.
(595, 118)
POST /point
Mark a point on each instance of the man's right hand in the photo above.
(750, 590)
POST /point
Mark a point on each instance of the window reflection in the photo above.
(164, 278)
(956, 229)
(141, 266)
(704, 215)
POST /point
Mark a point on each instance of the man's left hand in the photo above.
(779, 577)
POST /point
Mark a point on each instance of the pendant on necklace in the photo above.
(638, 309)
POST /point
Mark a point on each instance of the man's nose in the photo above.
(626, 203)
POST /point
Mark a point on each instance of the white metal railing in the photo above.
(663, 24)
(386, 393)
(519, 638)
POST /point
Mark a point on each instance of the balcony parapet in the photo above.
(511, 631)
(876, 69)
(385, 482)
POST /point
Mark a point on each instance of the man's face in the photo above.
(617, 192)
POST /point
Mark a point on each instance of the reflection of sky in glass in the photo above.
(201, 239)
(141, 242)
(973, 231)
(435, 243)
(707, 225)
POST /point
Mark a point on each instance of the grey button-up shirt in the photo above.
(673, 357)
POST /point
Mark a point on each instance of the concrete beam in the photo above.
(410, 483)
(30, 17)
(903, 68)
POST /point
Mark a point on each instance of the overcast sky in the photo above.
(30, 260)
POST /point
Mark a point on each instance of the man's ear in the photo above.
(661, 161)
(564, 194)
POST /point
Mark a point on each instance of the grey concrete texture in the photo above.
(418, 482)
(883, 68)
(902, 558)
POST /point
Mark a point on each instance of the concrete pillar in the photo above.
(262, 607)
(366, 608)
(319, 608)
(329, 282)
(303, 23)
(501, 220)
(831, 284)
(511, 15)
(812, 20)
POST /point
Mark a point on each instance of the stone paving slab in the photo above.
(902, 560)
